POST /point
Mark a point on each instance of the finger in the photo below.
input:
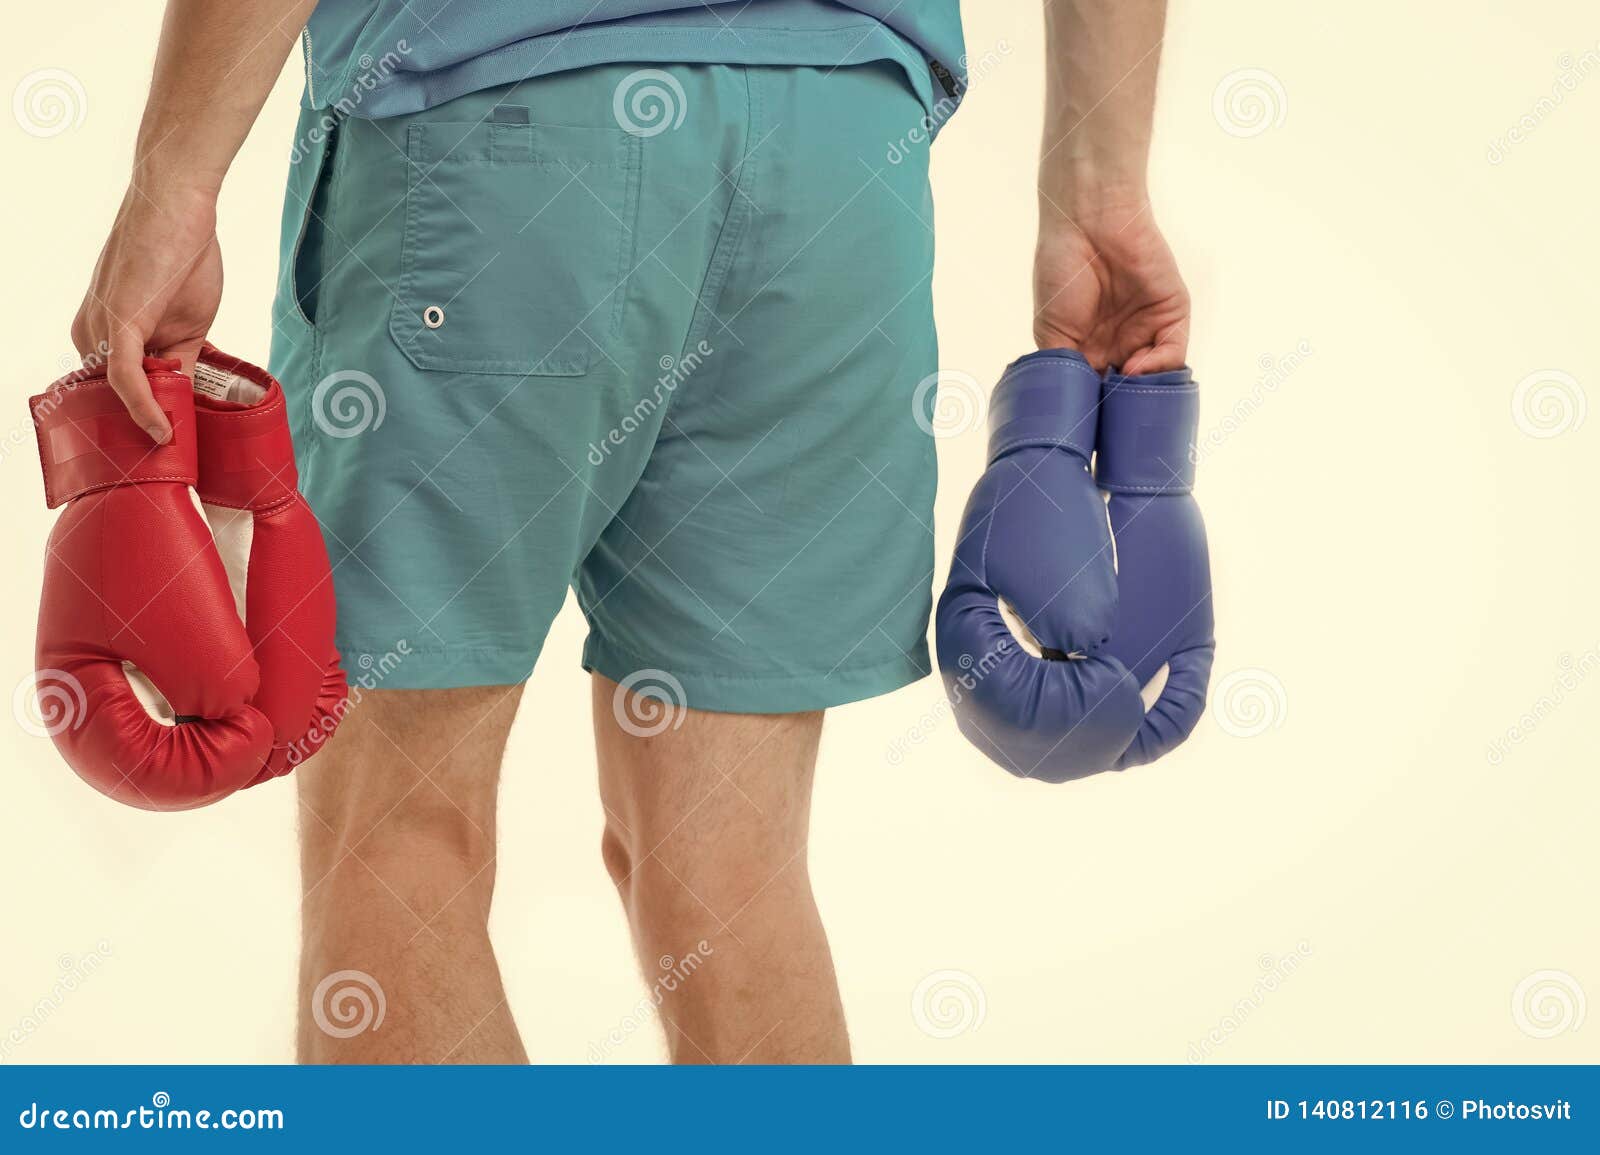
(187, 352)
(1169, 352)
(91, 349)
(1143, 361)
(125, 370)
(1050, 335)
(81, 340)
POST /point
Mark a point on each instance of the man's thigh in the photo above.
(704, 797)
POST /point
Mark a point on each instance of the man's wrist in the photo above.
(181, 154)
(1093, 211)
(185, 185)
(1090, 187)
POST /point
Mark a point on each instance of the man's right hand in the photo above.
(158, 282)
(156, 288)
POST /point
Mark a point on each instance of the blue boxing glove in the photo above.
(1040, 695)
(1064, 601)
(1163, 634)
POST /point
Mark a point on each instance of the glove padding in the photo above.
(142, 662)
(273, 549)
(1056, 693)
(1164, 631)
(185, 643)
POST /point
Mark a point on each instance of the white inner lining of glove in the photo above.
(1020, 631)
(1151, 690)
(1149, 693)
(1105, 498)
(221, 385)
(232, 531)
(154, 702)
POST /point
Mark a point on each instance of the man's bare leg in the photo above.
(706, 828)
(397, 858)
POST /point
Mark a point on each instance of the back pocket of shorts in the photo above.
(518, 243)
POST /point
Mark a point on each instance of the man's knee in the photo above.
(618, 854)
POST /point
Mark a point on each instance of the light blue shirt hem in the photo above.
(401, 92)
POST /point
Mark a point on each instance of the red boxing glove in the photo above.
(272, 548)
(141, 655)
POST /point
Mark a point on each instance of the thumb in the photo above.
(125, 371)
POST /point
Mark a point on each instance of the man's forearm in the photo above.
(1101, 65)
(217, 61)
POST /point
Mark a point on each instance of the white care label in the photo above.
(213, 382)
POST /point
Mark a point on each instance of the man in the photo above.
(631, 295)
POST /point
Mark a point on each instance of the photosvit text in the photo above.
(1379, 1110)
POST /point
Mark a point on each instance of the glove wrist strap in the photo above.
(1147, 430)
(1045, 399)
(87, 440)
(246, 455)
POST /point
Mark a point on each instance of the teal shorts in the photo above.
(661, 335)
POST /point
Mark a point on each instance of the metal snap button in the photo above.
(433, 316)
